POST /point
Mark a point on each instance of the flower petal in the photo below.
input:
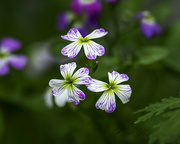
(76, 6)
(48, 98)
(107, 102)
(9, 44)
(97, 86)
(4, 67)
(72, 35)
(75, 94)
(58, 87)
(81, 76)
(123, 92)
(97, 33)
(147, 28)
(62, 21)
(72, 49)
(17, 61)
(67, 69)
(62, 99)
(157, 29)
(56, 83)
(93, 49)
(117, 78)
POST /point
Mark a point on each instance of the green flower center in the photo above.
(83, 40)
(111, 86)
(69, 82)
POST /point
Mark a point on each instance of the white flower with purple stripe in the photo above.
(66, 90)
(107, 100)
(7, 46)
(91, 49)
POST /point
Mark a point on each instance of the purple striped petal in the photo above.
(62, 99)
(67, 69)
(3, 67)
(97, 33)
(107, 102)
(124, 93)
(72, 35)
(81, 76)
(17, 61)
(56, 83)
(117, 78)
(71, 50)
(92, 50)
(97, 86)
(9, 44)
(75, 95)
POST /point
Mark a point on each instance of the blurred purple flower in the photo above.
(7, 46)
(92, 9)
(112, 1)
(148, 26)
(63, 20)
(83, 31)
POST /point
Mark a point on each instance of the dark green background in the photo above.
(153, 66)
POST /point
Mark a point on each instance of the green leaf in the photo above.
(166, 131)
(159, 108)
(149, 55)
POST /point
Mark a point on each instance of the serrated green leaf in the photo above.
(159, 108)
(149, 55)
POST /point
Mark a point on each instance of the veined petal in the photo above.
(72, 49)
(56, 83)
(67, 69)
(97, 33)
(97, 86)
(48, 98)
(107, 102)
(72, 35)
(116, 78)
(81, 76)
(123, 92)
(9, 44)
(62, 99)
(57, 91)
(75, 94)
(93, 49)
(3, 67)
(17, 61)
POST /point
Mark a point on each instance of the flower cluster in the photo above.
(8, 45)
(83, 13)
(66, 90)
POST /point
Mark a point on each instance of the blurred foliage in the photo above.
(167, 129)
(151, 64)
